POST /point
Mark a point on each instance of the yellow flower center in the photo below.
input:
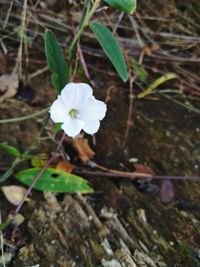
(73, 113)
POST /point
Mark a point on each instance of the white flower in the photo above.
(77, 109)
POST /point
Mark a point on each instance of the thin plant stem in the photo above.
(135, 175)
(23, 118)
(10, 171)
(80, 53)
(37, 177)
(82, 27)
(18, 65)
(130, 121)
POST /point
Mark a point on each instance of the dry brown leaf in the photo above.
(14, 193)
(9, 84)
(65, 166)
(85, 153)
(149, 49)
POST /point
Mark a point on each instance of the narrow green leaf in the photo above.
(53, 180)
(157, 83)
(111, 48)
(10, 149)
(128, 6)
(56, 61)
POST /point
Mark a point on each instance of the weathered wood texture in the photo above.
(117, 230)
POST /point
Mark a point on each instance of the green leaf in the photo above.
(10, 149)
(57, 127)
(157, 83)
(56, 62)
(53, 180)
(128, 6)
(111, 48)
(139, 71)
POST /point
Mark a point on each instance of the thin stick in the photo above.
(135, 175)
(130, 111)
(8, 14)
(81, 55)
(37, 177)
(18, 65)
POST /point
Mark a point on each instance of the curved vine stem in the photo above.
(23, 118)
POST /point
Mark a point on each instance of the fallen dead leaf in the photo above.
(85, 153)
(14, 193)
(9, 84)
(83, 149)
(149, 49)
(65, 166)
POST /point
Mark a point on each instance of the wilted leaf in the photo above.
(111, 48)
(65, 166)
(167, 191)
(9, 84)
(53, 180)
(128, 6)
(14, 193)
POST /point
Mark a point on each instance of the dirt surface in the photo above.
(123, 223)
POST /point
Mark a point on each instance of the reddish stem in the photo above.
(37, 177)
(134, 175)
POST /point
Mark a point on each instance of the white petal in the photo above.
(72, 127)
(93, 110)
(91, 126)
(58, 111)
(74, 95)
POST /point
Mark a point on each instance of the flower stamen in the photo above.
(73, 113)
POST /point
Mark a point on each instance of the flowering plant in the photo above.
(76, 108)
